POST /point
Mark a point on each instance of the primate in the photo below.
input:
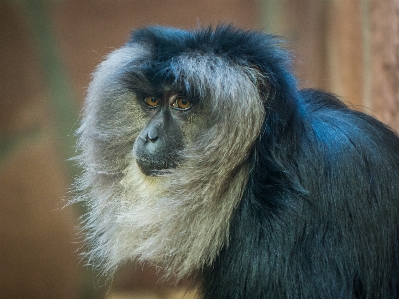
(203, 157)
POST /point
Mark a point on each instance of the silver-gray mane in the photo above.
(178, 220)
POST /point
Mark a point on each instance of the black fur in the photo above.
(319, 216)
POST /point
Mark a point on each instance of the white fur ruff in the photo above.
(178, 220)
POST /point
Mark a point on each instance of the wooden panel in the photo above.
(384, 25)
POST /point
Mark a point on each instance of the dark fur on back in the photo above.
(335, 238)
(319, 212)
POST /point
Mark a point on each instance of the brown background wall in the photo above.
(48, 50)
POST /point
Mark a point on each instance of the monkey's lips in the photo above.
(151, 167)
(154, 162)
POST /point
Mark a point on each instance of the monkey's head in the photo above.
(168, 138)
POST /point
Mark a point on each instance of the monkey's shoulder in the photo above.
(345, 131)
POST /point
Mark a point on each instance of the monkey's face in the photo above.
(169, 126)
(157, 144)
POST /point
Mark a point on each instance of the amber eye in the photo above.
(181, 104)
(151, 102)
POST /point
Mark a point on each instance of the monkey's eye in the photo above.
(151, 102)
(181, 104)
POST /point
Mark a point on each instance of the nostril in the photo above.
(152, 134)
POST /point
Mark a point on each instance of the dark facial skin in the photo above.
(157, 146)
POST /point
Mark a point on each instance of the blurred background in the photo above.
(48, 50)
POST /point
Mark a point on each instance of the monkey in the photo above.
(202, 156)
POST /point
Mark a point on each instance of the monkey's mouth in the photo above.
(151, 167)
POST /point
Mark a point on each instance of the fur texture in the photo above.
(281, 193)
(179, 219)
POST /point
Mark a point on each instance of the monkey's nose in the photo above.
(152, 134)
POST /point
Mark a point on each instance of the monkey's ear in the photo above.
(262, 81)
(265, 89)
